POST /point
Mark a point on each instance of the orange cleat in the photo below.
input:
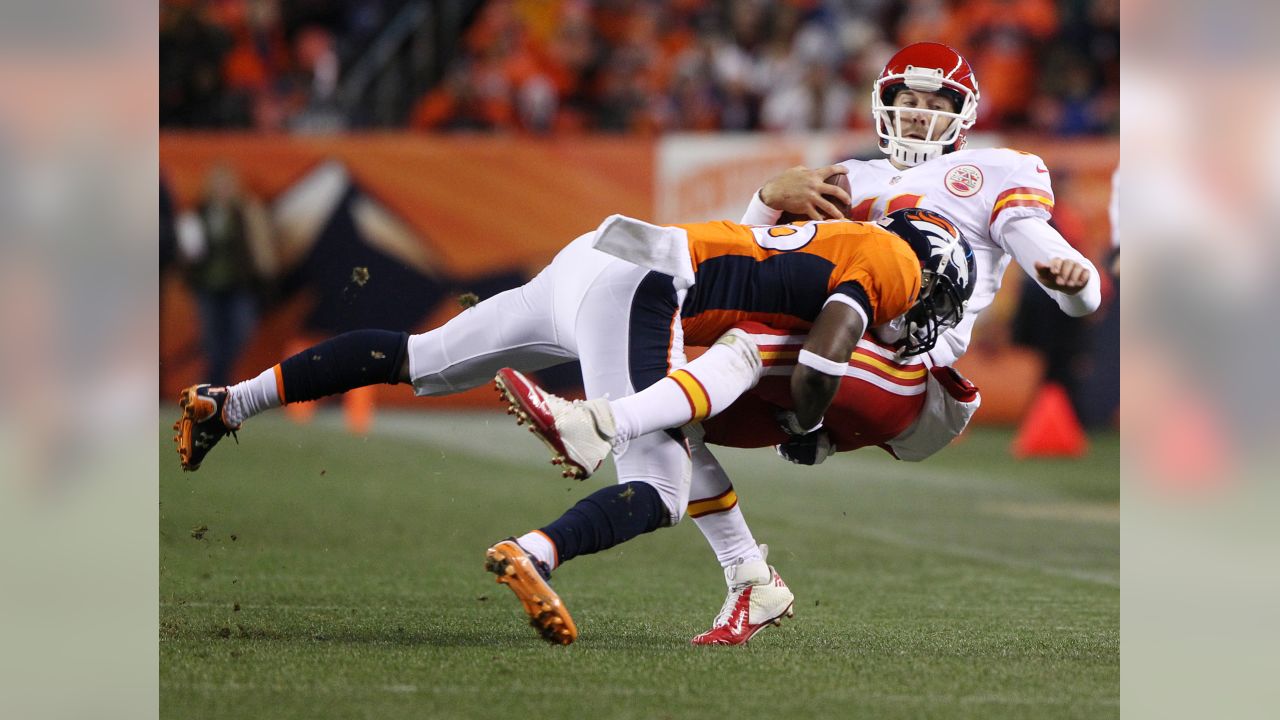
(527, 577)
(202, 423)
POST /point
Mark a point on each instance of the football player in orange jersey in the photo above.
(622, 321)
(737, 275)
(923, 105)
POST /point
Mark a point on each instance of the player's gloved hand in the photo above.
(956, 385)
(810, 449)
(790, 424)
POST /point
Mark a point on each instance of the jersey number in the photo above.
(862, 211)
(785, 237)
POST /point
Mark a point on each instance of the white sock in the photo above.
(729, 536)
(537, 544)
(661, 405)
(713, 505)
(693, 393)
(248, 398)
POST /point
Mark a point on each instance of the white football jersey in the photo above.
(979, 190)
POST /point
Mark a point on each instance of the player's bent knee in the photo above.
(674, 499)
(660, 461)
(746, 352)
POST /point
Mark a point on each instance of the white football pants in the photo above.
(622, 323)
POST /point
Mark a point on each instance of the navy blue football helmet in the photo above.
(947, 275)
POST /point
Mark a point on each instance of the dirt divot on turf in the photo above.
(1100, 513)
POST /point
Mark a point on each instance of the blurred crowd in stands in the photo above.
(258, 63)
(630, 66)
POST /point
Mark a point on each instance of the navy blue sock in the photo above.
(607, 517)
(342, 363)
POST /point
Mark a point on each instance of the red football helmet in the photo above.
(932, 68)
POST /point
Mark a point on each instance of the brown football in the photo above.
(840, 180)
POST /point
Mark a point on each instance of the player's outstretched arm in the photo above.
(822, 362)
(1069, 278)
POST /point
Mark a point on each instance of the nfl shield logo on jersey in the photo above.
(964, 180)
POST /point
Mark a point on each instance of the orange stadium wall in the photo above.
(449, 207)
(458, 210)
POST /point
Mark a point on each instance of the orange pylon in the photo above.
(1050, 428)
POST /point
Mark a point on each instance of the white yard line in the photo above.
(980, 555)
(1063, 511)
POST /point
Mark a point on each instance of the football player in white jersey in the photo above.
(923, 104)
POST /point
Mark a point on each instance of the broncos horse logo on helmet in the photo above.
(947, 275)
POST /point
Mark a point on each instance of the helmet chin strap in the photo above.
(911, 154)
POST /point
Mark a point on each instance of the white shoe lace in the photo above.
(586, 413)
(735, 590)
(555, 404)
(730, 602)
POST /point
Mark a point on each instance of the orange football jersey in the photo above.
(782, 276)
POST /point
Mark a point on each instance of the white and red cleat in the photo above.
(757, 598)
(579, 433)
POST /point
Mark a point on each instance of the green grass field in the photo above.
(342, 577)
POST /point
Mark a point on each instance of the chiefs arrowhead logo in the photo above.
(964, 180)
